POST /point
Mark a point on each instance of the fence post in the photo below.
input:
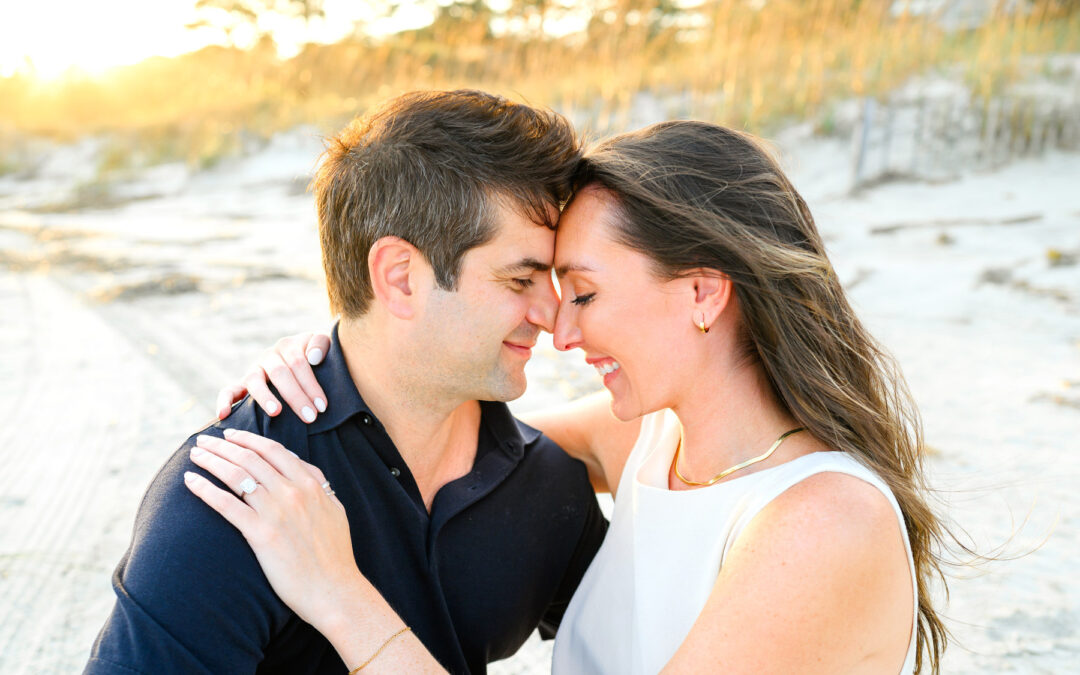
(917, 144)
(862, 140)
(886, 141)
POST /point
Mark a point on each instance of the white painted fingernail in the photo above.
(229, 433)
(320, 405)
(308, 413)
(196, 451)
(271, 407)
(314, 356)
(189, 477)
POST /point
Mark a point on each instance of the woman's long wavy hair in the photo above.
(692, 195)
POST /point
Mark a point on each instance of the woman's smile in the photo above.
(608, 367)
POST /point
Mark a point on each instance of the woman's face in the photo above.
(631, 325)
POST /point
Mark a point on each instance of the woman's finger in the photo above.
(292, 354)
(236, 461)
(314, 471)
(234, 510)
(318, 346)
(227, 397)
(281, 375)
(255, 383)
(277, 455)
(235, 477)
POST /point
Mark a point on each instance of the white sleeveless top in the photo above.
(655, 570)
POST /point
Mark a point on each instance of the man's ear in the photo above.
(713, 291)
(397, 270)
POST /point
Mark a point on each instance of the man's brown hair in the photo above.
(430, 167)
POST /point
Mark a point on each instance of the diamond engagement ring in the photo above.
(326, 488)
(248, 485)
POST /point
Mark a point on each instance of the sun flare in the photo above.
(49, 38)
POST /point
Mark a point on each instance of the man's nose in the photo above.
(544, 306)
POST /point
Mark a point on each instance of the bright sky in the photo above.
(93, 35)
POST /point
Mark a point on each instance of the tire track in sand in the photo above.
(87, 420)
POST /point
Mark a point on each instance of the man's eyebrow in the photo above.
(563, 270)
(525, 264)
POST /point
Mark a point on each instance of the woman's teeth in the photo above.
(605, 368)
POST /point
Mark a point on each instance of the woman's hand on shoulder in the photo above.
(299, 532)
(288, 366)
(818, 582)
(287, 513)
(587, 430)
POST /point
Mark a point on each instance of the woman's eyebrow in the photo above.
(563, 270)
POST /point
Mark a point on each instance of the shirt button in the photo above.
(395, 472)
(366, 420)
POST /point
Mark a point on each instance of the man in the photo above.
(436, 218)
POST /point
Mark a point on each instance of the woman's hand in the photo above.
(289, 516)
(287, 365)
(298, 530)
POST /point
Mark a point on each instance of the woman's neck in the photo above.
(737, 419)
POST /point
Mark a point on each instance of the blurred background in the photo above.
(201, 80)
(156, 235)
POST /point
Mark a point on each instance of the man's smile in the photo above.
(524, 350)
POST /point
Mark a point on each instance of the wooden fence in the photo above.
(938, 138)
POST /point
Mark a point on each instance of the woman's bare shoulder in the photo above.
(819, 574)
(839, 508)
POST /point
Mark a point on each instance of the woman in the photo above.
(769, 516)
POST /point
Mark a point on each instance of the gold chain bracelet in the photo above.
(378, 651)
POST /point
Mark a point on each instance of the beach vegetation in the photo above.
(752, 65)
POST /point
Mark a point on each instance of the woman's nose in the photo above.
(566, 335)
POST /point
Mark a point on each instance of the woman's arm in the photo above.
(818, 582)
(584, 428)
(300, 535)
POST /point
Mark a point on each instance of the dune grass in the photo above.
(725, 61)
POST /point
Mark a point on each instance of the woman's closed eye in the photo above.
(582, 300)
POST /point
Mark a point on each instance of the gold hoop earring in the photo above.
(701, 324)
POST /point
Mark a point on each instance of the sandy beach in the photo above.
(122, 317)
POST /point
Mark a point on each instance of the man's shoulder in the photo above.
(189, 586)
(175, 529)
(168, 498)
(285, 428)
(548, 456)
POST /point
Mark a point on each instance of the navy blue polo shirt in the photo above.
(501, 552)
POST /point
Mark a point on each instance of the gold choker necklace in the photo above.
(727, 472)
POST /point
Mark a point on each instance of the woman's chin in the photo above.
(623, 411)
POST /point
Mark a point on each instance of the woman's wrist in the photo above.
(348, 606)
(359, 622)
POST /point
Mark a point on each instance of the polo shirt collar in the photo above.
(345, 401)
(513, 435)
